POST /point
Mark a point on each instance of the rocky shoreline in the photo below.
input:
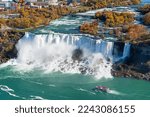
(137, 65)
(8, 40)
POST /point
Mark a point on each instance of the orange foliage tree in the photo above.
(136, 31)
(146, 18)
(144, 9)
(90, 28)
(111, 18)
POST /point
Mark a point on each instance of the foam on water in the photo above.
(84, 90)
(9, 91)
(36, 98)
(92, 12)
(116, 9)
(114, 92)
(6, 88)
(65, 21)
(52, 85)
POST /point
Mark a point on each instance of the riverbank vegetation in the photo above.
(32, 18)
(145, 10)
(8, 40)
(112, 19)
(133, 33)
(109, 3)
(2, 22)
(90, 28)
(35, 17)
(146, 18)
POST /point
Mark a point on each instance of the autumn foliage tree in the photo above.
(74, 3)
(110, 3)
(135, 2)
(144, 9)
(2, 22)
(111, 18)
(89, 27)
(35, 17)
(136, 31)
(146, 18)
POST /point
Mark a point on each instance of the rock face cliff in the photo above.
(137, 65)
(8, 40)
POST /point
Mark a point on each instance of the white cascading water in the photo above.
(126, 51)
(53, 53)
(106, 48)
(80, 41)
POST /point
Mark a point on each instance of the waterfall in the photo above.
(99, 46)
(126, 51)
(53, 52)
(106, 48)
(121, 53)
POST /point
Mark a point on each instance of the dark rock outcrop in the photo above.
(77, 54)
(137, 65)
(8, 40)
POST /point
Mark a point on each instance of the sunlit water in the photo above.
(36, 85)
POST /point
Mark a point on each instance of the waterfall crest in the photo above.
(80, 41)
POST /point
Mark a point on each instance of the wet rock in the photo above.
(138, 64)
(8, 40)
(83, 70)
(118, 48)
(77, 54)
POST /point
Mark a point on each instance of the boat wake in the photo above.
(84, 90)
(114, 92)
(9, 91)
(36, 98)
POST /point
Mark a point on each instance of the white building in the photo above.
(5, 0)
(5, 3)
(52, 2)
